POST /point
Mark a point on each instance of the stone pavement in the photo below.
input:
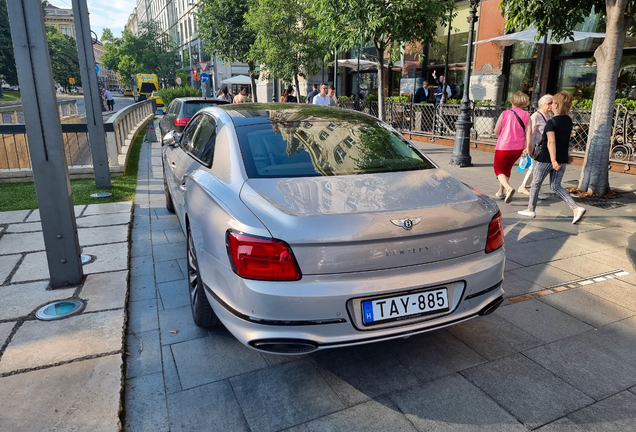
(63, 375)
(559, 356)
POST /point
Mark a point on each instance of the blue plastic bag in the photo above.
(524, 163)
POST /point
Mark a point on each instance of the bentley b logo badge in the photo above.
(407, 224)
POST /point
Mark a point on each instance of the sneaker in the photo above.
(523, 190)
(527, 212)
(580, 211)
(509, 194)
(542, 196)
(500, 195)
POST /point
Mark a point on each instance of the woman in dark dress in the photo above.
(553, 156)
(290, 95)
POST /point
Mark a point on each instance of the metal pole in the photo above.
(358, 71)
(461, 150)
(537, 90)
(447, 57)
(92, 97)
(46, 146)
(335, 71)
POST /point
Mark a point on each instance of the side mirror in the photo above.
(172, 138)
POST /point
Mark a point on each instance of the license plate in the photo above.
(404, 307)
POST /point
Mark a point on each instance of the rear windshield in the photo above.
(325, 148)
(191, 108)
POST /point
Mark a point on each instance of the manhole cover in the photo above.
(59, 309)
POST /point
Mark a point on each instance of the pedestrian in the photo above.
(314, 92)
(241, 97)
(322, 98)
(332, 96)
(551, 156)
(283, 97)
(290, 95)
(511, 144)
(534, 135)
(439, 90)
(225, 95)
(110, 102)
(422, 94)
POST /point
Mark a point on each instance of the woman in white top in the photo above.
(534, 135)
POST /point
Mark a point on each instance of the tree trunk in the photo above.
(250, 66)
(379, 48)
(595, 176)
(297, 87)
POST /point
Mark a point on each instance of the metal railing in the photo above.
(438, 121)
(122, 128)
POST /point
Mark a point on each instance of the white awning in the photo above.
(239, 79)
(353, 64)
(530, 36)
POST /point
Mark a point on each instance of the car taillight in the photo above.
(495, 234)
(181, 121)
(261, 258)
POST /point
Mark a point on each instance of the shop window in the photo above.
(521, 78)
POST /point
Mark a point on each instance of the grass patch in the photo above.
(22, 196)
(10, 96)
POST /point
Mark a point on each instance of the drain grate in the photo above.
(601, 203)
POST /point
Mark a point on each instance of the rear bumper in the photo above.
(320, 312)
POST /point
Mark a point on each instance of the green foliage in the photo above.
(152, 52)
(376, 152)
(21, 196)
(372, 97)
(345, 98)
(400, 99)
(454, 101)
(630, 104)
(582, 103)
(484, 102)
(507, 103)
(64, 59)
(8, 71)
(10, 96)
(167, 95)
(286, 44)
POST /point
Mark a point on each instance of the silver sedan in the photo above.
(311, 227)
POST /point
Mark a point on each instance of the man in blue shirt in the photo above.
(440, 85)
(314, 92)
(422, 94)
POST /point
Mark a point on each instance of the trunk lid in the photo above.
(338, 224)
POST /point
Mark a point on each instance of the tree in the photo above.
(64, 58)
(561, 16)
(286, 43)
(223, 29)
(8, 72)
(387, 23)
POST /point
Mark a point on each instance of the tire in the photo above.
(202, 312)
(166, 192)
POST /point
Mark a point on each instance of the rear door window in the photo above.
(188, 133)
(204, 139)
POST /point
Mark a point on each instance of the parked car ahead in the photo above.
(312, 227)
(181, 110)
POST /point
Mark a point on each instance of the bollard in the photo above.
(150, 134)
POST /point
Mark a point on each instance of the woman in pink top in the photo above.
(511, 128)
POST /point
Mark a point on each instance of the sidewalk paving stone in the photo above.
(170, 374)
(590, 370)
(105, 290)
(374, 416)
(108, 208)
(41, 343)
(541, 320)
(169, 271)
(143, 354)
(493, 337)
(35, 216)
(212, 407)
(102, 235)
(17, 216)
(146, 409)
(435, 354)
(18, 243)
(142, 316)
(20, 300)
(617, 339)
(175, 235)
(513, 284)
(285, 395)
(544, 275)
(532, 394)
(616, 291)
(563, 424)
(544, 251)
(174, 294)
(79, 396)
(33, 267)
(365, 372)
(453, 404)
(140, 248)
(214, 358)
(179, 320)
(103, 220)
(110, 257)
(142, 265)
(174, 251)
(586, 306)
(7, 264)
(610, 415)
(24, 227)
(584, 266)
(142, 287)
(5, 330)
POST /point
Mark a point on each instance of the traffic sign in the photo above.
(71, 80)
(178, 80)
(205, 77)
(96, 68)
(203, 66)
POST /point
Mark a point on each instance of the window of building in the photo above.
(332, 127)
(458, 39)
(349, 142)
(339, 154)
(323, 135)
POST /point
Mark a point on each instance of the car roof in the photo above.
(262, 113)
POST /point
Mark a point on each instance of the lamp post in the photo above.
(177, 60)
(461, 149)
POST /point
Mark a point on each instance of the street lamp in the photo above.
(177, 60)
(461, 149)
(195, 54)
